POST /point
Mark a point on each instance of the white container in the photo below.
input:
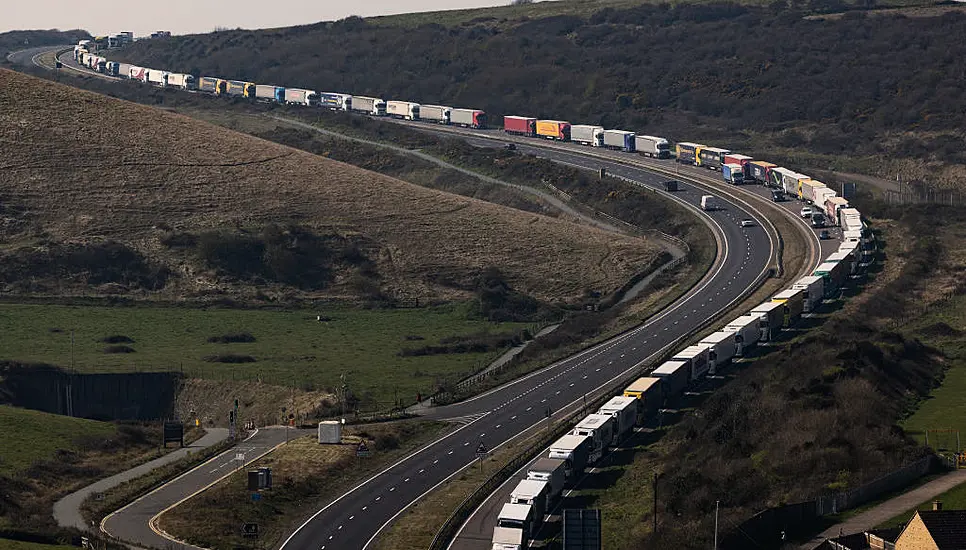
(330, 432)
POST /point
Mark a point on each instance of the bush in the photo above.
(229, 358)
(116, 339)
(179, 240)
(119, 349)
(234, 338)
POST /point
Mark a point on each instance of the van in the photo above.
(707, 203)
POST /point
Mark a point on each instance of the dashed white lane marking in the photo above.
(584, 378)
(543, 400)
(466, 444)
(528, 409)
(339, 529)
(422, 470)
(558, 392)
(498, 426)
(364, 508)
(330, 537)
(406, 480)
(571, 384)
(513, 418)
(378, 498)
(391, 489)
(596, 370)
(436, 461)
(351, 518)
(449, 453)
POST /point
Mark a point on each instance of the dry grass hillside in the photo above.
(78, 170)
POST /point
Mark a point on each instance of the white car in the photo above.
(747, 223)
(806, 212)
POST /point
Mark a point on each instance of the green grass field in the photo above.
(290, 347)
(945, 408)
(30, 436)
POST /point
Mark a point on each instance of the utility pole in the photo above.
(716, 525)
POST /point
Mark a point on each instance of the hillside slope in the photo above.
(883, 86)
(86, 178)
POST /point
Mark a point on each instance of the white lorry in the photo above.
(586, 134)
(405, 110)
(513, 527)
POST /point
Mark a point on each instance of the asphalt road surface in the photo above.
(67, 510)
(355, 519)
(135, 522)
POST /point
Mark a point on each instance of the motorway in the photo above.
(353, 520)
(136, 522)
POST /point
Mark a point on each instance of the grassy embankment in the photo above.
(45, 456)
(304, 474)
(288, 347)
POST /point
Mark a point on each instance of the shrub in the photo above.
(229, 358)
(237, 337)
(117, 339)
(177, 239)
(119, 349)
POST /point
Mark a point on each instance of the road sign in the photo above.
(362, 450)
(481, 451)
(250, 530)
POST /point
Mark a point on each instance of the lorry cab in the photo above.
(513, 524)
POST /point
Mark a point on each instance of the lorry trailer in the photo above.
(674, 377)
(735, 158)
(205, 84)
(574, 450)
(439, 114)
(554, 129)
(182, 81)
(158, 78)
(514, 526)
(405, 110)
(834, 274)
(814, 292)
(772, 316)
(600, 428)
(807, 190)
(653, 146)
(834, 205)
(240, 88)
(760, 171)
(747, 331)
(468, 118)
(721, 348)
(793, 302)
(649, 394)
(335, 101)
(520, 126)
(697, 359)
(711, 157)
(586, 134)
(620, 139)
(299, 96)
(624, 411)
(551, 470)
(534, 493)
(687, 152)
(140, 73)
(374, 106)
(264, 92)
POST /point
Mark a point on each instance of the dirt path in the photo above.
(890, 508)
(67, 510)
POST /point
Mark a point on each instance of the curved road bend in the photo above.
(67, 510)
(134, 522)
(354, 519)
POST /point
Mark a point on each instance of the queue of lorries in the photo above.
(588, 441)
(567, 459)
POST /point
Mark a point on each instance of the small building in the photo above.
(935, 529)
